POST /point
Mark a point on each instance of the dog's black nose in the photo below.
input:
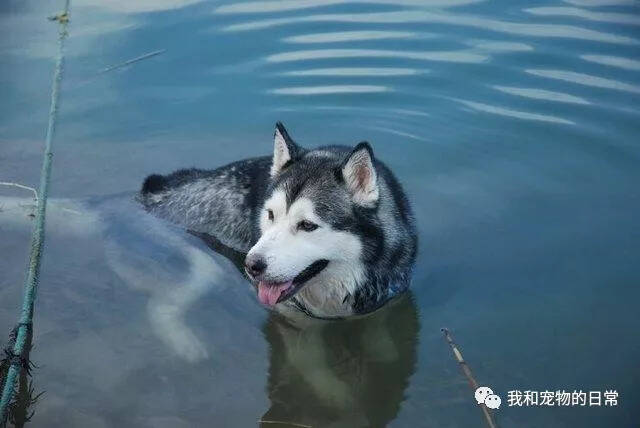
(255, 265)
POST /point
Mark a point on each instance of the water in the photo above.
(513, 126)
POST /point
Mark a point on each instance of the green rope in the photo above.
(37, 235)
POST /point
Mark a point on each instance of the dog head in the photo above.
(317, 208)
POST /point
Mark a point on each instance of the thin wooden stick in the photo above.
(467, 372)
(22, 186)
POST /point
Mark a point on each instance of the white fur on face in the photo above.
(288, 251)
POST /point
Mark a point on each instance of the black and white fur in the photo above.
(327, 231)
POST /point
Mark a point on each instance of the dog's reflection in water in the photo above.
(346, 373)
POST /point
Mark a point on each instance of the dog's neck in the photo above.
(330, 293)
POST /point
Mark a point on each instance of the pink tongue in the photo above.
(268, 294)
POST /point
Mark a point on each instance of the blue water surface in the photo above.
(513, 126)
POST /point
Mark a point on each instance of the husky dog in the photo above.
(327, 232)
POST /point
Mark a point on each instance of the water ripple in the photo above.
(449, 56)
(493, 46)
(615, 61)
(396, 132)
(597, 3)
(333, 89)
(585, 79)
(410, 112)
(540, 94)
(355, 71)
(403, 17)
(386, 112)
(486, 108)
(285, 5)
(138, 6)
(351, 36)
(616, 18)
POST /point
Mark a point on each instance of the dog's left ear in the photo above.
(360, 175)
(285, 149)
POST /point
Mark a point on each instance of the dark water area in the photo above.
(512, 125)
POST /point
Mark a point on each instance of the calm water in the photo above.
(512, 124)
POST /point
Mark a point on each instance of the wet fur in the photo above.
(228, 203)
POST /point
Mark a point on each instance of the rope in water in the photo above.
(37, 234)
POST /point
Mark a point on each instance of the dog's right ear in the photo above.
(285, 150)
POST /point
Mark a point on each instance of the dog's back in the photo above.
(217, 202)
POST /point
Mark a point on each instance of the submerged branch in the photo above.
(21, 186)
(131, 61)
(467, 372)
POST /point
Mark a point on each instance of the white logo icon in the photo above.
(485, 395)
(482, 393)
(492, 401)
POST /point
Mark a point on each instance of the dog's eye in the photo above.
(270, 214)
(307, 226)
